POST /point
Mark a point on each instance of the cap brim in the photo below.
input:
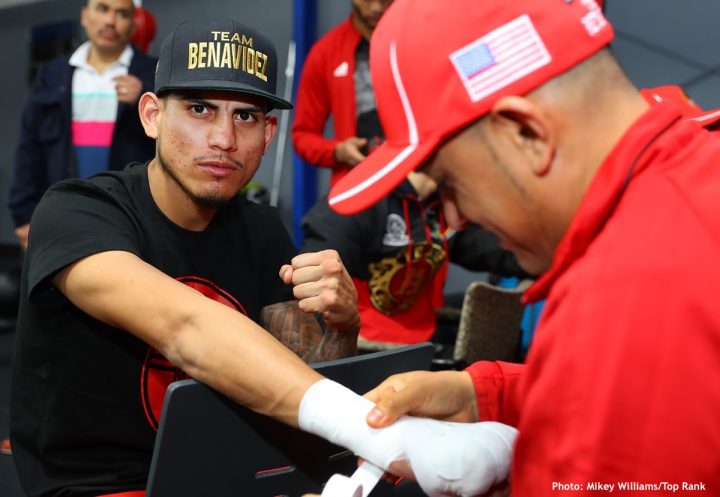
(215, 85)
(377, 175)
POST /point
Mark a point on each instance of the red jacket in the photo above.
(327, 87)
(622, 383)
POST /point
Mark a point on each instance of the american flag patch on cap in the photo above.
(500, 58)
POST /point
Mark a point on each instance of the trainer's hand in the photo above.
(128, 88)
(445, 395)
(323, 285)
(348, 151)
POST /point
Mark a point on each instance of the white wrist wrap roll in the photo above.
(342, 486)
(360, 484)
(447, 458)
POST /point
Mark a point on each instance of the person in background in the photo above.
(335, 81)
(531, 129)
(398, 253)
(80, 117)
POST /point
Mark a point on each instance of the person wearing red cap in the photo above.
(528, 124)
(335, 81)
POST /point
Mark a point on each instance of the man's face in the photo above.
(478, 184)
(210, 144)
(369, 12)
(108, 23)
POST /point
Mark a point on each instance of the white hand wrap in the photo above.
(447, 458)
(460, 458)
(337, 414)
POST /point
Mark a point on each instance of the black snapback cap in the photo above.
(222, 55)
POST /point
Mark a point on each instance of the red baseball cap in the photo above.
(437, 66)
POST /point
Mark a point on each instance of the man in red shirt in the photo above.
(336, 81)
(531, 129)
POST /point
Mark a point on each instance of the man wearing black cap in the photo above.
(126, 276)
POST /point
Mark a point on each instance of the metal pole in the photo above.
(282, 133)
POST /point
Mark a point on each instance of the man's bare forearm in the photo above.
(301, 332)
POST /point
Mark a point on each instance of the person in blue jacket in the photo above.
(81, 115)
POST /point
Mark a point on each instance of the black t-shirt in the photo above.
(86, 396)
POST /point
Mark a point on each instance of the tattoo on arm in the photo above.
(302, 333)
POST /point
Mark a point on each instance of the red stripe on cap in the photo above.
(339, 194)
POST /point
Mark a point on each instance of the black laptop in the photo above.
(208, 446)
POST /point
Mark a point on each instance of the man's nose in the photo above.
(222, 134)
(109, 18)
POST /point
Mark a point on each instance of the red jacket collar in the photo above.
(632, 154)
(709, 119)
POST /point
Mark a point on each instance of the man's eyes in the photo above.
(246, 116)
(123, 13)
(198, 109)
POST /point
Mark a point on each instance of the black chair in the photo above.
(208, 445)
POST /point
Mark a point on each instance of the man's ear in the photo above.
(149, 109)
(271, 125)
(528, 128)
(83, 16)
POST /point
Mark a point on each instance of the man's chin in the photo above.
(531, 264)
(211, 202)
(109, 46)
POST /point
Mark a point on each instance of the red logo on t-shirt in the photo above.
(158, 372)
